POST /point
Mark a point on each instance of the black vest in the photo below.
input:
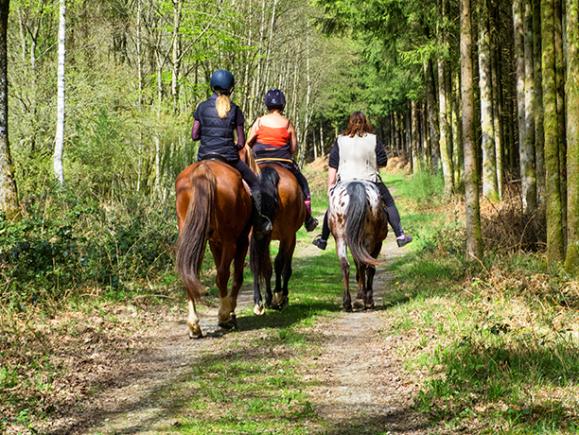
(216, 133)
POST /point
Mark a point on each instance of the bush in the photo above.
(83, 244)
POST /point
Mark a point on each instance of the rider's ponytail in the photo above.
(223, 105)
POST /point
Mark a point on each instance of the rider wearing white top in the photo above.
(357, 155)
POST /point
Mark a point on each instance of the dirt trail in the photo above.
(362, 384)
(362, 388)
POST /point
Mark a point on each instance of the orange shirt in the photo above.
(273, 136)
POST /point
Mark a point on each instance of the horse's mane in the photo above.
(249, 160)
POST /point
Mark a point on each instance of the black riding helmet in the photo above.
(274, 99)
(222, 80)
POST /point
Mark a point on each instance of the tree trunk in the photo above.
(560, 84)
(415, 135)
(519, 38)
(538, 107)
(497, 123)
(176, 53)
(527, 149)
(572, 95)
(432, 115)
(473, 225)
(489, 169)
(552, 137)
(60, 108)
(8, 192)
(444, 128)
(457, 151)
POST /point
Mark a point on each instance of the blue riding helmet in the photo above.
(274, 99)
(222, 80)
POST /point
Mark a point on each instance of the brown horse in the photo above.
(357, 220)
(283, 201)
(212, 205)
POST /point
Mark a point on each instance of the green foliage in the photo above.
(83, 244)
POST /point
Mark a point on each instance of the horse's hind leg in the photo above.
(258, 308)
(369, 302)
(343, 255)
(223, 255)
(286, 252)
(193, 321)
(238, 263)
(359, 302)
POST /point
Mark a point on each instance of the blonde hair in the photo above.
(223, 105)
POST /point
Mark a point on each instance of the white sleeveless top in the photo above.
(357, 158)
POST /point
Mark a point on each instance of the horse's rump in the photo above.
(211, 203)
(356, 216)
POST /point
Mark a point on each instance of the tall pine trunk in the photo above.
(60, 107)
(572, 96)
(8, 192)
(553, 140)
(473, 225)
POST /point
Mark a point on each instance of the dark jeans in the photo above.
(391, 212)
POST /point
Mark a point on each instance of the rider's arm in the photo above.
(252, 133)
(332, 176)
(293, 140)
(196, 130)
(334, 162)
(239, 122)
(381, 157)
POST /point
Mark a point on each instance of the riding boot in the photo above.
(310, 222)
(261, 223)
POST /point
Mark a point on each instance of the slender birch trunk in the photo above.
(60, 107)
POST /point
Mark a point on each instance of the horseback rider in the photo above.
(217, 121)
(274, 140)
(356, 155)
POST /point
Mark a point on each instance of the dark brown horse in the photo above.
(358, 222)
(284, 202)
(212, 205)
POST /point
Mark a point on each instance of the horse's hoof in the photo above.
(195, 331)
(230, 324)
(280, 301)
(370, 305)
(359, 304)
(259, 310)
(347, 308)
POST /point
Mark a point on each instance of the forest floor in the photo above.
(446, 350)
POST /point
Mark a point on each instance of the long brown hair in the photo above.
(358, 125)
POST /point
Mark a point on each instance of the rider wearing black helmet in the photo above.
(274, 139)
(216, 120)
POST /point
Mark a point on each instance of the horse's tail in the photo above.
(355, 220)
(259, 254)
(193, 237)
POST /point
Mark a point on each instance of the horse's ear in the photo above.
(250, 160)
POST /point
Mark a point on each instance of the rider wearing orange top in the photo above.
(274, 139)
